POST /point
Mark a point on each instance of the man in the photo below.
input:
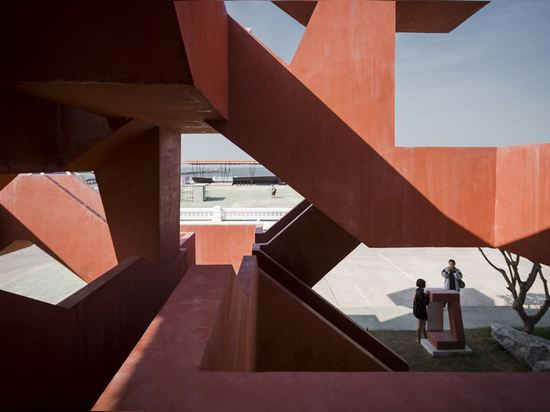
(452, 276)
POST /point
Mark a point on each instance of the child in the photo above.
(420, 301)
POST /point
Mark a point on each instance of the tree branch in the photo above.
(502, 272)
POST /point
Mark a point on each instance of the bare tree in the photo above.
(519, 288)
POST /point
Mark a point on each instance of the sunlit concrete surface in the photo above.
(376, 286)
(247, 196)
(29, 271)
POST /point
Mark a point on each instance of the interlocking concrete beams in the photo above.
(166, 370)
(335, 140)
(125, 59)
(442, 175)
(322, 157)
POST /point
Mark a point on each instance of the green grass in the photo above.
(542, 332)
(487, 355)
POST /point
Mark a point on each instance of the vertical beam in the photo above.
(140, 186)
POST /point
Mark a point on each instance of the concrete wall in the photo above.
(62, 215)
(222, 244)
(383, 195)
(65, 355)
(232, 342)
(163, 372)
(203, 27)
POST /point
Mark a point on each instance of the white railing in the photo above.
(219, 214)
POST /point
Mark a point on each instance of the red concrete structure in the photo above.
(439, 338)
(221, 244)
(109, 86)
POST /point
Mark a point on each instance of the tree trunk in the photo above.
(528, 327)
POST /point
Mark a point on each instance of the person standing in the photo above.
(452, 276)
(420, 301)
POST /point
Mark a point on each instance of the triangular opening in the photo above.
(270, 24)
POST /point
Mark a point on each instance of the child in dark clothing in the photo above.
(420, 312)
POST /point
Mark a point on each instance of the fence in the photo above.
(219, 214)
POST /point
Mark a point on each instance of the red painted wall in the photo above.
(64, 216)
(333, 122)
(222, 244)
(67, 353)
(203, 26)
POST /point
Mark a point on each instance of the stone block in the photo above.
(522, 346)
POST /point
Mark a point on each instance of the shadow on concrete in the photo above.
(532, 299)
(468, 297)
(214, 199)
(472, 316)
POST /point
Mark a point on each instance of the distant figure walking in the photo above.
(273, 191)
(420, 312)
(453, 277)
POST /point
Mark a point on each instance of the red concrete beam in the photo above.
(301, 11)
(54, 135)
(310, 246)
(324, 158)
(491, 179)
(203, 26)
(429, 16)
(266, 236)
(177, 106)
(412, 16)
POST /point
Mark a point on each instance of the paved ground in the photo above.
(247, 196)
(375, 286)
(31, 272)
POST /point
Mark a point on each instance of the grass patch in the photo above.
(543, 332)
(487, 355)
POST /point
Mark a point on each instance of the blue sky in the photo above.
(485, 84)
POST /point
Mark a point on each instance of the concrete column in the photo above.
(139, 183)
